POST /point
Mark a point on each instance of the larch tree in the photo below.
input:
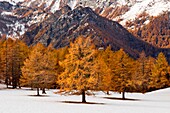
(39, 70)
(13, 54)
(21, 52)
(123, 72)
(78, 67)
(61, 54)
(168, 77)
(104, 74)
(142, 75)
(7, 60)
(106, 65)
(1, 63)
(160, 72)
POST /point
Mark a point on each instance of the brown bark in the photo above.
(83, 96)
(38, 93)
(123, 95)
(43, 91)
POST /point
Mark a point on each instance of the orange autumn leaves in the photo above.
(83, 67)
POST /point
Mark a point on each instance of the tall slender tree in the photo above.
(123, 72)
(7, 62)
(78, 66)
(160, 72)
(21, 52)
(143, 68)
(104, 74)
(13, 54)
(106, 65)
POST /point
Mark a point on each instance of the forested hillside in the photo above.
(80, 67)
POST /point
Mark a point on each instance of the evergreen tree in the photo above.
(78, 67)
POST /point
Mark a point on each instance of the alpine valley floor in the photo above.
(23, 101)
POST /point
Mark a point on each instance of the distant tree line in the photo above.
(80, 67)
(12, 56)
(157, 32)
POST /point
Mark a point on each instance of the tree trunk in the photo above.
(123, 95)
(43, 91)
(38, 94)
(6, 82)
(108, 93)
(14, 83)
(19, 85)
(83, 96)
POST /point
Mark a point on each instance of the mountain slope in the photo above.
(157, 32)
(60, 30)
(19, 16)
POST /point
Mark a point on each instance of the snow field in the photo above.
(151, 7)
(23, 101)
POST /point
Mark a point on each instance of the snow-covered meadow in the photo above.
(23, 101)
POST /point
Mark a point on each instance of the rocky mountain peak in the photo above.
(59, 22)
(58, 31)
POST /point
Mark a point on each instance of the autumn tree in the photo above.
(143, 69)
(7, 62)
(21, 52)
(1, 64)
(103, 73)
(160, 73)
(123, 72)
(104, 66)
(61, 54)
(13, 54)
(78, 66)
(39, 70)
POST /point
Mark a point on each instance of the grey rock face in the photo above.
(65, 27)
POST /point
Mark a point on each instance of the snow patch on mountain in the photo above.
(41, 8)
(6, 13)
(122, 2)
(18, 29)
(73, 3)
(56, 6)
(13, 2)
(36, 19)
(30, 3)
(151, 7)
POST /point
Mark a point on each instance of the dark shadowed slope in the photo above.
(66, 25)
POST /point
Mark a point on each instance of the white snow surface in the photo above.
(151, 7)
(56, 6)
(6, 13)
(13, 2)
(73, 3)
(21, 101)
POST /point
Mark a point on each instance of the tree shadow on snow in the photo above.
(39, 95)
(114, 98)
(73, 102)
